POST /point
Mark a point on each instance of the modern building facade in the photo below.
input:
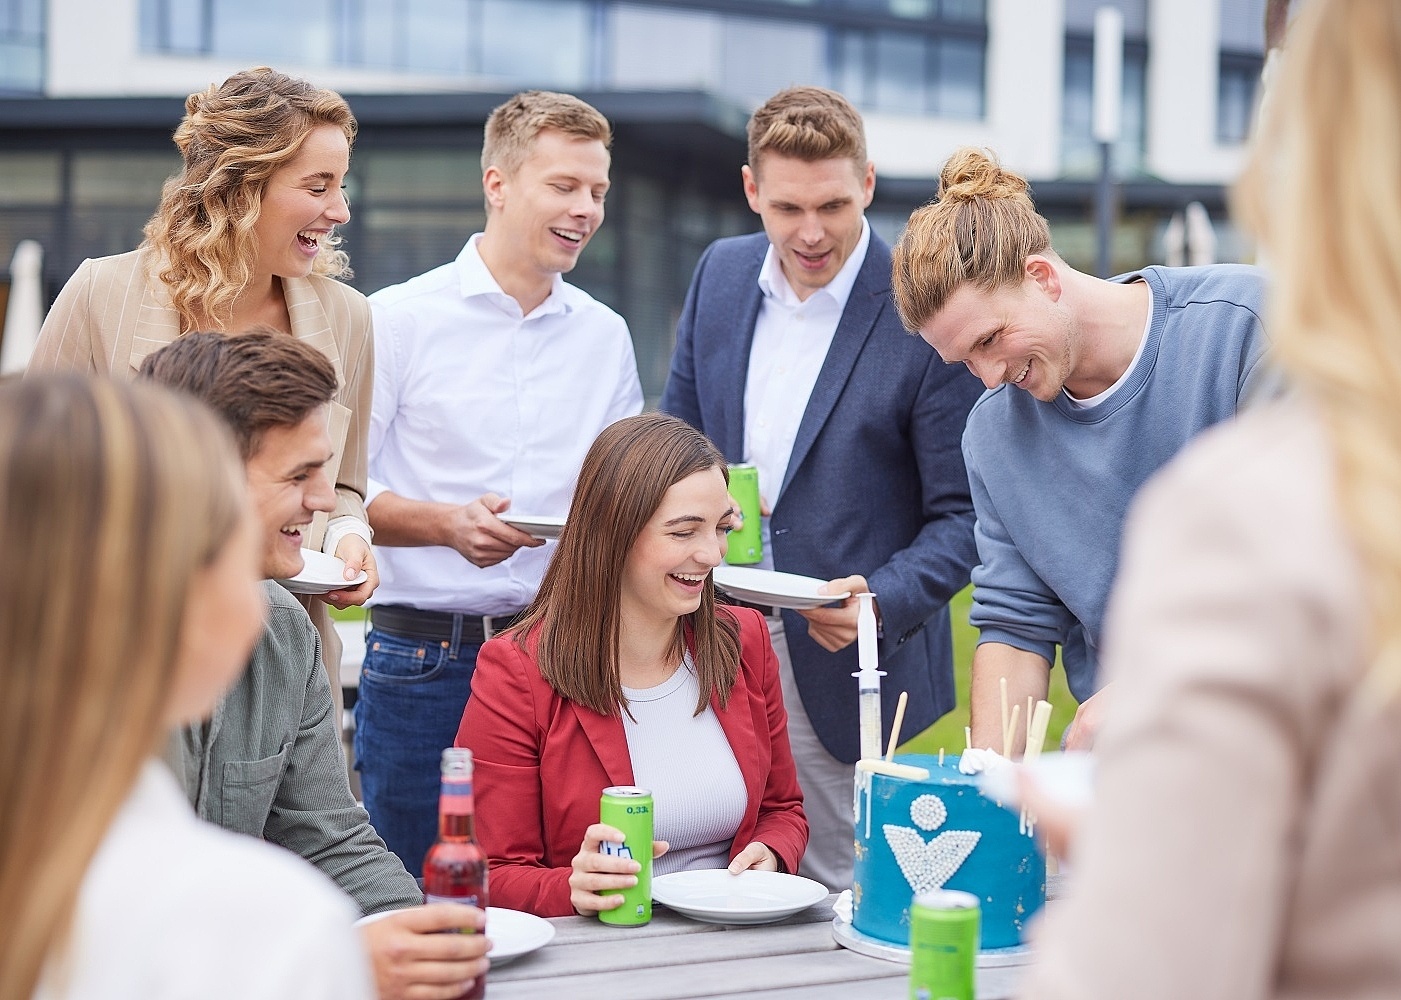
(90, 91)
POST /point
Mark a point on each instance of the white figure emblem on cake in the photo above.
(927, 866)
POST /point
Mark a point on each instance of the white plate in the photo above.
(781, 590)
(752, 897)
(512, 932)
(538, 525)
(321, 575)
(1066, 777)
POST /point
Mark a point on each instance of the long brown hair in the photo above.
(233, 138)
(577, 612)
(112, 497)
(1321, 190)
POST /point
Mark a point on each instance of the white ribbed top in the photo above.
(686, 762)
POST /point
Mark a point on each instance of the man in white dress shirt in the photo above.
(492, 378)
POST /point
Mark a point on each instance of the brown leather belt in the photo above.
(438, 626)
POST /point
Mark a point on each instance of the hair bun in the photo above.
(975, 173)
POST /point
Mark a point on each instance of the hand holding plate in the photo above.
(481, 537)
(359, 558)
(835, 628)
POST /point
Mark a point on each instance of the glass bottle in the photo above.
(455, 869)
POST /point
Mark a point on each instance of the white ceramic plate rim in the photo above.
(766, 586)
(321, 575)
(672, 891)
(513, 933)
(539, 525)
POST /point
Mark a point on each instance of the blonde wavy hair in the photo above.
(981, 228)
(1322, 192)
(112, 497)
(233, 137)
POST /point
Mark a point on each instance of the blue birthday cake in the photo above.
(940, 833)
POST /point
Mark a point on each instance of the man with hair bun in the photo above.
(492, 378)
(790, 356)
(1092, 385)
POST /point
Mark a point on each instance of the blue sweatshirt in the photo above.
(1052, 484)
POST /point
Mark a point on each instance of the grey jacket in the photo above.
(269, 764)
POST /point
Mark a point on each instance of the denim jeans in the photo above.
(409, 707)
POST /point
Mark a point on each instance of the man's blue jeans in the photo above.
(409, 707)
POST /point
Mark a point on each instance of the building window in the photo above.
(1079, 151)
(1242, 25)
(1236, 88)
(21, 46)
(911, 73)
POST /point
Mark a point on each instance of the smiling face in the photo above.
(302, 204)
(545, 213)
(811, 212)
(666, 569)
(288, 483)
(1020, 334)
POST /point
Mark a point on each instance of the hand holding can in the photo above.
(629, 810)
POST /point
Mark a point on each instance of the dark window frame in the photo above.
(1237, 65)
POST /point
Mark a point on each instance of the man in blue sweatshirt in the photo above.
(1092, 386)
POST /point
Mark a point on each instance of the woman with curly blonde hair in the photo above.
(1246, 838)
(244, 236)
(131, 602)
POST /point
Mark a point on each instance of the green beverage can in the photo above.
(746, 544)
(943, 945)
(629, 809)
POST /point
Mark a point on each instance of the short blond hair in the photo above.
(981, 228)
(512, 128)
(809, 124)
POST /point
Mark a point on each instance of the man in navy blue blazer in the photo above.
(790, 356)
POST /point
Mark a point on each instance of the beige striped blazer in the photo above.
(113, 312)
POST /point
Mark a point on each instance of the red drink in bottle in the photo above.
(455, 869)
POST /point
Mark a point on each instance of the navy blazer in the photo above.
(875, 483)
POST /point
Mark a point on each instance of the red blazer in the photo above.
(542, 761)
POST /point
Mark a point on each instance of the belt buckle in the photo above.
(488, 626)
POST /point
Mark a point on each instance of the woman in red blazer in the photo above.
(627, 602)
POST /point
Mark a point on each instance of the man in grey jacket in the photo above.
(269, 762)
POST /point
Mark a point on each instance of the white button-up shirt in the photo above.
(791, 339)
(472, 397)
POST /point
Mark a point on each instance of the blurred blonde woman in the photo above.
(131, 601)
(1246, 840)
(245, 236)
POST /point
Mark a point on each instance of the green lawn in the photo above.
(948, 731)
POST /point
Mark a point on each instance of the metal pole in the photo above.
(1107, 97)
(1104, 212)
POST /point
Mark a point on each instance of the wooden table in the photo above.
(675, 957)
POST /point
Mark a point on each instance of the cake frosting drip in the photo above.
(975, 846)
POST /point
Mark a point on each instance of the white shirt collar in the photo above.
(477, 279)
(774, 284)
